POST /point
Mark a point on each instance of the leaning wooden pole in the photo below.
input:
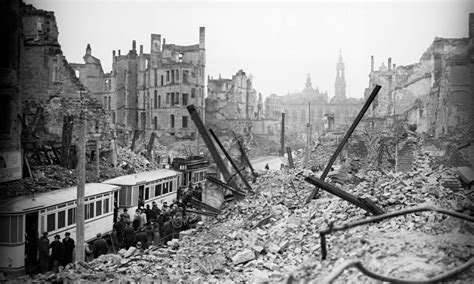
(239, 172)
(366, 106)
(210, 145)
(282, 138)
(81, 186)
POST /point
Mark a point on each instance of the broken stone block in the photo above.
(243, 256)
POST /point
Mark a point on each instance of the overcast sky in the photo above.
(279, 43)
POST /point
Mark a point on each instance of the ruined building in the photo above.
(52, 96)
(314, 107)
(433, 96)
(233, 104)
(149, 92)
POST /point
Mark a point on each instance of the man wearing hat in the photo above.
(57, 253)
(69, 245)
(99, 247)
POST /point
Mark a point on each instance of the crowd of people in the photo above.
(148, 226)
(55, 254)
(154, 225)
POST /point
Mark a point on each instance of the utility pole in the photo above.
(81, 186)
(395, 125)
(97, 145)
(282, 138)
(308, 127)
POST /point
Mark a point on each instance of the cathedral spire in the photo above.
(308, 84)
(340, 85)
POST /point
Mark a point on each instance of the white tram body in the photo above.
(23, 220)
(157, 185)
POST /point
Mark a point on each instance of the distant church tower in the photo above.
(340, 85)
(308, 84)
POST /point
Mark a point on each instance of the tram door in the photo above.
(116, 207)
(31, 239)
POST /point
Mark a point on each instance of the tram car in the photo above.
(156, 185)
(194, 170)
(23, 219)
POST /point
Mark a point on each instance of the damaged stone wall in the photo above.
(49, 86)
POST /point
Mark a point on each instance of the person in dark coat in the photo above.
(99, 247)
(149, 214)
(119, 227)
(140, 236)
(167, 232)
(57, 253)
(125, 217)
(69, 245)
(128, 235)
(43, 253)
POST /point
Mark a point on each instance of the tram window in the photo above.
(71, 216)
(89, 211)
(165, 188)
(147, 193)
(171, 186)
(51, 222)
(98, 208)
(141, 188)
(61, 219)
(158, 190)
(4, 234)
(106, 205)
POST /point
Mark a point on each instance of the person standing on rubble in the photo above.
(119, 227)
(156, 234)
(137, 220)
(43, 253)
(155, 211)
(57, 253)
(267, 167)
(124, 216)
(99, 247)
(128, 235)
(69, 245)
(141, 237)
(144, 216)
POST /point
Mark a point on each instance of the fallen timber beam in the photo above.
(210, 145)
(379, 218)
(198, 204)
(290, 158)
(225, 186)
(202, 212)
(246, 159)
(363, 203)
(239, 172)
(366, 106)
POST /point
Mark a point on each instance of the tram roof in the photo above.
(144, 177)
(22, 204)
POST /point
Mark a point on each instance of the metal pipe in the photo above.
(369, 101)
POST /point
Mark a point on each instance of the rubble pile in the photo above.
(133, 162)
(272, 236)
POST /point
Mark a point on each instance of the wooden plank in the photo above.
(220, 183)
(368, 206)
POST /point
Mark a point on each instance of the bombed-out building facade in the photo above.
(149, 92)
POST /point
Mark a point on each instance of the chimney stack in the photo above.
(113, 53)
(119, 52)
(389, 65)
(134, 45)
(141, 49)
(372, 63)
(88, 49)
(202, 37)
